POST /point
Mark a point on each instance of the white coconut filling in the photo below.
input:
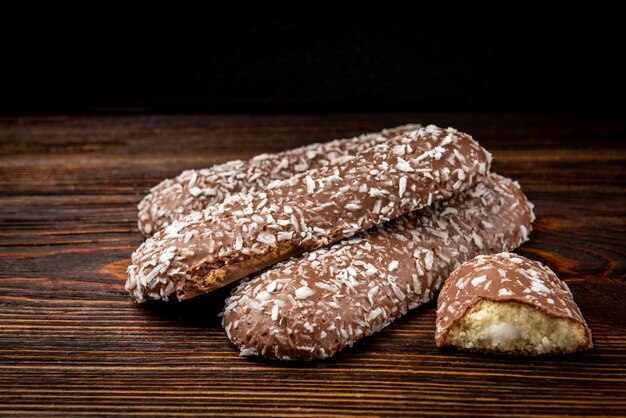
(516, 328)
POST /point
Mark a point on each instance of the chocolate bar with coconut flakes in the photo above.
(209, 249)
(313, 306)
(506, 303)
(193, 190)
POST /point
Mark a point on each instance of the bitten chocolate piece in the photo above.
(247, 233)
(313, 306)
(194, 190)
(506, 303)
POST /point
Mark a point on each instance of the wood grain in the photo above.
(72, 342)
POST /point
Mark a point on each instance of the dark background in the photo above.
(92, 57)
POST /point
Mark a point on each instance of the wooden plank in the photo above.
(72, 342)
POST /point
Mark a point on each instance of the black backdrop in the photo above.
(77, 57)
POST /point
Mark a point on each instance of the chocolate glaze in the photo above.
(315, 305)
(504, 277)
(223, 243)
(194, 190)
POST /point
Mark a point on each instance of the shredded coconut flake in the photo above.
(505, 292)
(310, 185)
(402, 186)
(304, 292)
(478, 280)
(266, 238)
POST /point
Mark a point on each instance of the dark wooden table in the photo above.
(72, 342)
